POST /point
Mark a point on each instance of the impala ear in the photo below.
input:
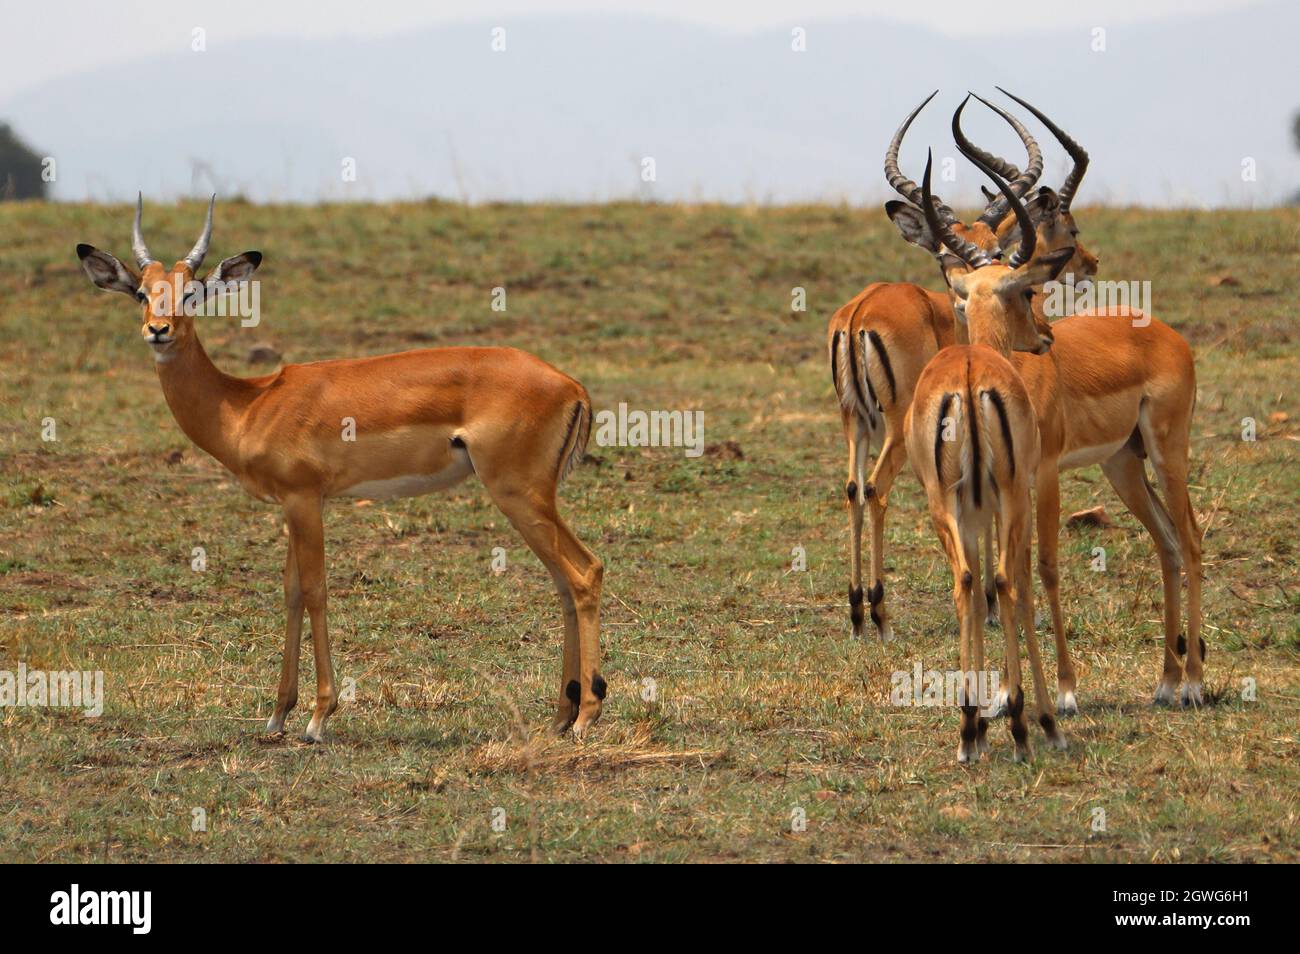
(229, 271)
(989, 195)
(1042, 207)
(911, 223)
(107, 272)
(237, 268)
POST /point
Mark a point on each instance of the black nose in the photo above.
(158, 329)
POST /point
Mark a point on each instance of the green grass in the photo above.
(763, 705)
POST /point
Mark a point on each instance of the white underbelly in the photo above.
(409, 485)
(1087, 456)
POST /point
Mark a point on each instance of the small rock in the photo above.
(1096, 517)
(727, 450)
(263, 353)
(175, 457)
(1218, 281)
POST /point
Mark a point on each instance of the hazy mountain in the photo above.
(1168, 111)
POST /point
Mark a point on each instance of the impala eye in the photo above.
(141, 297)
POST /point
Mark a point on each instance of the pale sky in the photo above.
(44, 39)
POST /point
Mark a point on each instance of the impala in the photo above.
(878, 343)
(1117, 388)
(388, 426)
(972, 438)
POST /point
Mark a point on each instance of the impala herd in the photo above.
(986, 397)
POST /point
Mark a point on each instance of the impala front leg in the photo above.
(308, 542)
(286, 696)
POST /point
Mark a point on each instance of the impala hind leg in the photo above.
(1170, 462)
(1048, 516)
(858, 438)
(1025, 609)
(963, 586)
(892, 455)
(997, 706)
(1007, 600)
(975, 679)
(579, 576)
(1127, 474)
(990, 580)
(307, 534)
(286, 696)
(566, 710)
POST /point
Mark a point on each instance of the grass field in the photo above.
(762, 705)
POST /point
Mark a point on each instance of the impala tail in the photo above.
(974, 450)
(575, 439)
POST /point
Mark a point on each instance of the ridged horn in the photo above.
(138, 248)
(904, 186)
(968, 252)
(1077, 153)
(1019, 182)
(1028, 235)
(200, 249)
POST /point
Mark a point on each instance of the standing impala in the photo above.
(1118, 388)
(878, 343)
(419, 421)
(973, 441)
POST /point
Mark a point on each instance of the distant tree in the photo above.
(20, 168)
(1295, 135)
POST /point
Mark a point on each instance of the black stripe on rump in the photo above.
(835, 363)
(996, 398)
(853, 373)
(564, 448)
(944, 406)
(862, 342)
(884, 360)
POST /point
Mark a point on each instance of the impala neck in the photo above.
(206, 403)
(990, 331)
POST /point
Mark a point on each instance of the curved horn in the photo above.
(1019, 182)
(968, 252)
(900, 183)
(195, 258)
(140, 250)
(1028, 235)
(1077, 153)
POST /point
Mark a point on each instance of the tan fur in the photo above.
(1088, 392)
(980, 478)
(422, 420)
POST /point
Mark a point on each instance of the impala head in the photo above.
(992, 297)
(167, 297)
(1050, 211)
(913, 224)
